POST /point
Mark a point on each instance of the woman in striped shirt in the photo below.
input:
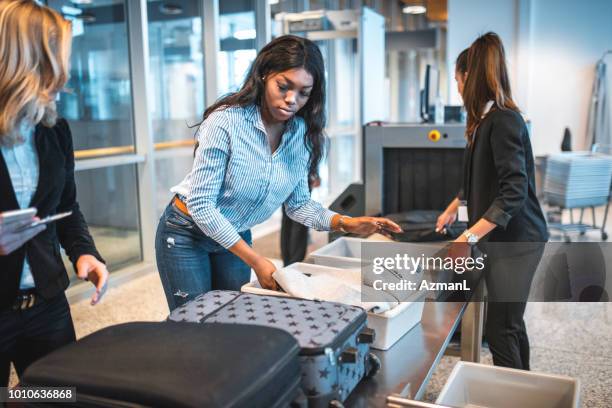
(255, 151)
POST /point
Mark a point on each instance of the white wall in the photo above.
(552, 47)
(568, 38)
(467, 19)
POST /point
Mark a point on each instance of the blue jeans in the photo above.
(191, 263)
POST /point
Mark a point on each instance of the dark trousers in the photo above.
(507, 335)
(294, 240)
(509, 275)
(26, 336)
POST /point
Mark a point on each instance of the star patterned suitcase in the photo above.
(334, 339)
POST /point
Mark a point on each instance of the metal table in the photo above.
(408, 366)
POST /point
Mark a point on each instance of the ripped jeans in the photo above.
(191, 263)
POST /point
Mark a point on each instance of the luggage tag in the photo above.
(462, 213)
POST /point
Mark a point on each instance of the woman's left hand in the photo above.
(370, 225)
(90, 269)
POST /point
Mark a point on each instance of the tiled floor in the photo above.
(573, 339)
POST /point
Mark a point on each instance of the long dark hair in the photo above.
(461, 63)
(487, 80)
(279, 55)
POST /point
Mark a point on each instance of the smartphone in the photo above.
(47, 220)
(13, 216)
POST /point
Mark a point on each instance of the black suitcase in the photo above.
(172, 364)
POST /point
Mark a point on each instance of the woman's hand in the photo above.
(445, 219)
(90, 269)
(264, 269)
(369, 225)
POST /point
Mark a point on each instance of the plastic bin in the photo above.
(393, 324)
(483, 386)
(344, 252)
(254, 287)
(390, 326)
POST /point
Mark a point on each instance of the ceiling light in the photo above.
(87, 18)
(81, 1)
(71, 11)
(414, 10)
(245, 34)
(271, 2)
(170, 9)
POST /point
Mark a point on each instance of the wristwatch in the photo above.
(472, 239)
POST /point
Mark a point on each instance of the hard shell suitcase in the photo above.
(169, 364)
(335, 342)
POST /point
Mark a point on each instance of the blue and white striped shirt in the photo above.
(236, 181)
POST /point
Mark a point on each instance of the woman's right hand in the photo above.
(445, 219)
(264, 270)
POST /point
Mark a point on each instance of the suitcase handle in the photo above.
(348, 356)
(366, 336)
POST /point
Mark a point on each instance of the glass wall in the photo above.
(237, 35)
(107, 197)
(177, 68)
(98, 100)
(343, 87)
(341, 107)
(98, 106)
(176, 63)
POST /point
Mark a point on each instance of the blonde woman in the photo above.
(37, 170)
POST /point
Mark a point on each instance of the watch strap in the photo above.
(341, 223)
(472, 238)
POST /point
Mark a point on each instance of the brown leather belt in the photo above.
(26, 299)
(180, 205)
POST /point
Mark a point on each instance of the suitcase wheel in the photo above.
(335, 404)
(373, 365)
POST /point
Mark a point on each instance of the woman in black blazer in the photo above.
(499, 193)
(37, 170)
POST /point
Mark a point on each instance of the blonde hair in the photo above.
(35, 52)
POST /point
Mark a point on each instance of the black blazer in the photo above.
(499, 180)
(56, 192)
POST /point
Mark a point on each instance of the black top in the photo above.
(55, 193)
(499, 180)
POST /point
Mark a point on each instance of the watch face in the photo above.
(472, 239)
